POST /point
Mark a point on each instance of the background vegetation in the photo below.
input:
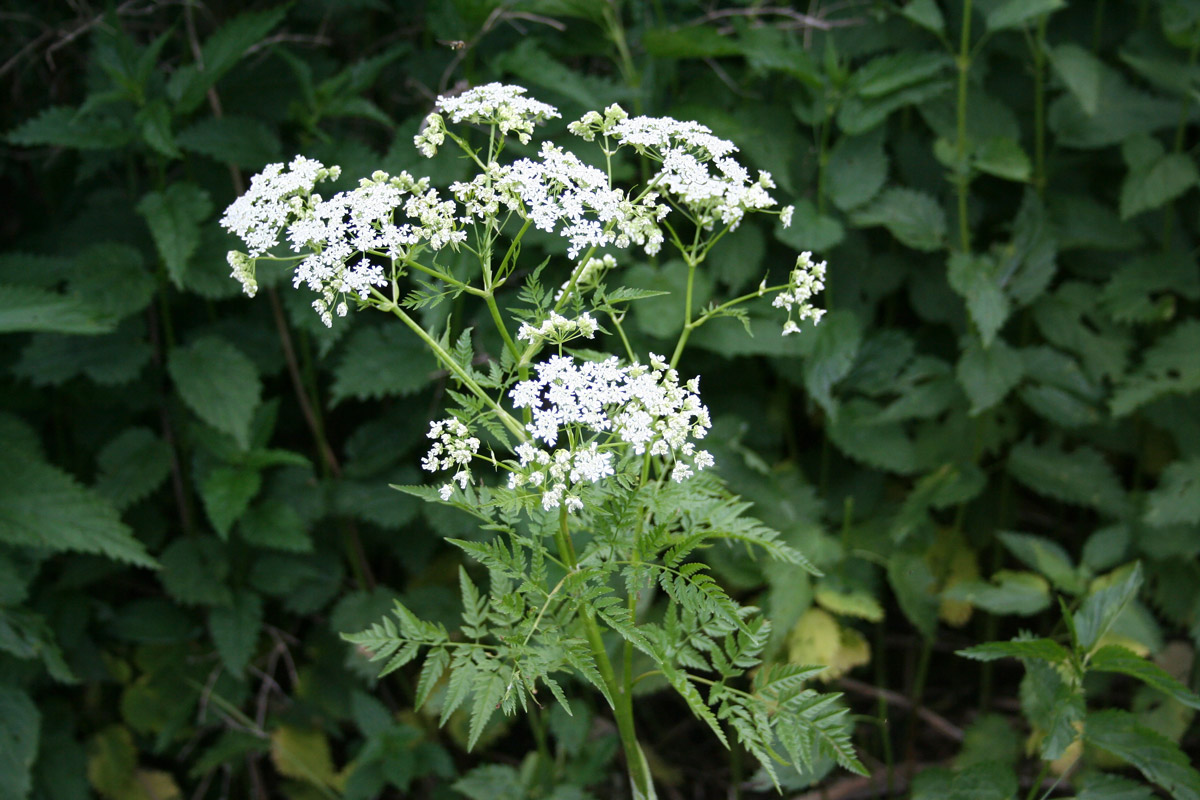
(998, 413)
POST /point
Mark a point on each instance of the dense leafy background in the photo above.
(999, 410)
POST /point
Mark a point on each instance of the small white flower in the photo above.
(785, 215)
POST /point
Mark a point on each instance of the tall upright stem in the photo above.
(963, 175)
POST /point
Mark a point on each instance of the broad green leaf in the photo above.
(861, 432)
(60, 126)
(886, 74)
(1046, 650)
(913, 217)
(988, 374)
(379, 361)
(697, 41)
(28, 308)
(1120, 111)
(837, 340)
(227, 492)
(235, 629)
(188, 85)
(1155, 178)
(1082, 73)
(44, 508)
(913, 582)
(303, 754)
(219, 383)
(194, 571)
(110, 359)
(857, 115)
(1003, 158)
(1170, 365)
(926, 14)
(530, 62)
(1047, 557)
(856, 171)
(113, 279)
(241, 141)
(131, 466)
(1115, 658)
(1143, 289)
(1106, 548)
(1176, 500)
(851, 603)
(771, 49)
(174, 217)
(1051, 704)
(155, 121)
(20, 724)
(1103, 786)
(1155, 756)
(492, 782)
(810, 230)
(1009, 592)
(1012, 13)
(1080, 477)
(1068, 318)
(1102, 607)
(1081, 221)
(275, 525)
(974, 277)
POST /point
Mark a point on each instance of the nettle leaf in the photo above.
(1176, 500)
(20, 726)
(219, 53)
(29, 308)
(44, 508)
(1009, 592)
(857, 115)
(1104, 786)
(235, 629)
(926, 14)
(1081, 477)
(379, 361)
(219, 383)
(1081, 221)
(913, 582)
(275, 525)
(1068, 318)
(1143, 288)
(1082, 73)
(1170, 365)
(1101, 608)
(1120, 111)
(174, 217)
(194, 570)
(913, 217)
(862, 432)
(886, 74)
(857, 170)
(60, 126)
(1002, 157)
(110, 359)
(131, 466)
(1155, 756)
(974, 277)
(837, 340)
(1046, 650)
(1115, 658)
(810, 229)
(1013, 13)
(988, 374)
(241, 141)
(1047, 557)
(227, 492)
(1155, 177)
(1053, 705)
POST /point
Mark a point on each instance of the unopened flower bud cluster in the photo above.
(806, 280)
(588, 275)
(559, 329)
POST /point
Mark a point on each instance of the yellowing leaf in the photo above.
(853, 603)
(818, 639)
(303, 754)
(153, 784)
(953, 561)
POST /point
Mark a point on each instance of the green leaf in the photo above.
(1004, 158)
(1053, 705)
(379, 361)
(275, 525)
(1013, 13)
(913, 583)
(1102, 607)
(926, 14)
(227, 492)
(1155, 180)
(44, 508)
(1046, 650)
(1102, 786)
(1115, 658)
(174, 217)
(837, 340)
(886, 74)
(697, 41)
(155, 119)
(28, 308)
(913, 217)
(988, 374)
(1047, 557)
(112, 278)
(219, 53)
(194, 570)
(810, 230)
(1081, 477)
(20, 724)
(974, 277)
(235, 630)
(132, 466)
(1120, 110)
(1021, 593)
(1176, 500)
(857, 170)
(1155, 756)
(1081, 221)
(1082, 73)
(219, 383)
(1170, 365)
(241, 141)
(60, 126)
(491, 782)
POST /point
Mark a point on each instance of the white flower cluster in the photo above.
(340, 232)
(559, 329)
(491, 104)
(637, 407)
(589, 274)
(805, 280)
(453, 447)
(686, 150)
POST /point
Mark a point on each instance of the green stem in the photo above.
(917, 693)
(962, 173)
(687, 315)
(1180, 129)
(1037, 783)
(1039, 107)
(515, 427)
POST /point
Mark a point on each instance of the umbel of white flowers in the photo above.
(347, 238)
